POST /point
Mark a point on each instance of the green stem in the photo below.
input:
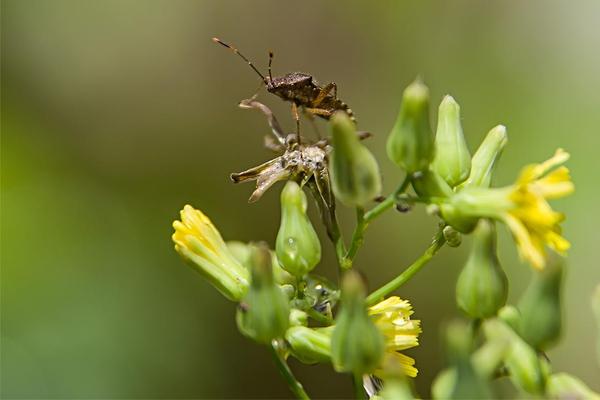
(358, 234)
(388, 202)
(359, 390)
(408, 273)
(364, 218)
(285, 371)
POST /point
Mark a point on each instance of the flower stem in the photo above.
(359, 390)
(364, 218)
(408, 273)
(284, 369)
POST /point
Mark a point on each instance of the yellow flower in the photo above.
(523, 207)
(199, 242)
(392, 317)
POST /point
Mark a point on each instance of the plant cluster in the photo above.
(295, 313)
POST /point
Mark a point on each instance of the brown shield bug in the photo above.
(301, 89)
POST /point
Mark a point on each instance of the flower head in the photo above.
(523, 207)
(392, 318)
(199, 242)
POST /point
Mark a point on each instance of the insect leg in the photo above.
(320, 111)
(324, 92)
(311, 118)
(296, 117)
(273, 123)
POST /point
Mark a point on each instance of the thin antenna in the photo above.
(270, 61)
(236, 51)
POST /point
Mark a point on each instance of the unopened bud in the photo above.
(309, 345)
(264, 313)
(297, 246)
(452, 236)
(511, 316)
(443, 384)
(521, 360)
(467, 383)
(243, 253)
(452, 158)
(396, 389)
(354, 170)
(485, 158)
(540, 307)
(357, 345)
(410, 144)
(430, 184)
(482, 286)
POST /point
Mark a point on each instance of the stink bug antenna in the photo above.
(236, 51)
(270, 62)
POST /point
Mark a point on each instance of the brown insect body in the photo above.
(303, 90)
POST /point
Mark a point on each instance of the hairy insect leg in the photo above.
(324, 92)
(296, 117)
(311, 118)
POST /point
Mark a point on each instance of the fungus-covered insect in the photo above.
(305, 163)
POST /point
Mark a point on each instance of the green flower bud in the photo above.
(489, 357)
(486, 157)
(264, 313)
(467, 384)
(354, 171)
(444, 384)
(521, 360)
(396, 382)
(482, 286)
(357, 345)
(452, 158)
(410, 144)
(452, 236)
(396, 389)
(540, 307)
(430, 184)
(565, 386)
(243, 253)
(511, 316)
(309, 345)
(297, 246)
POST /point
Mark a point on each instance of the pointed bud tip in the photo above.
(448, 101)
(416, 91)
(353, 284)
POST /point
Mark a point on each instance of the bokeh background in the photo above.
(117, 113)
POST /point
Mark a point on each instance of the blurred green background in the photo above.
(117, 113)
